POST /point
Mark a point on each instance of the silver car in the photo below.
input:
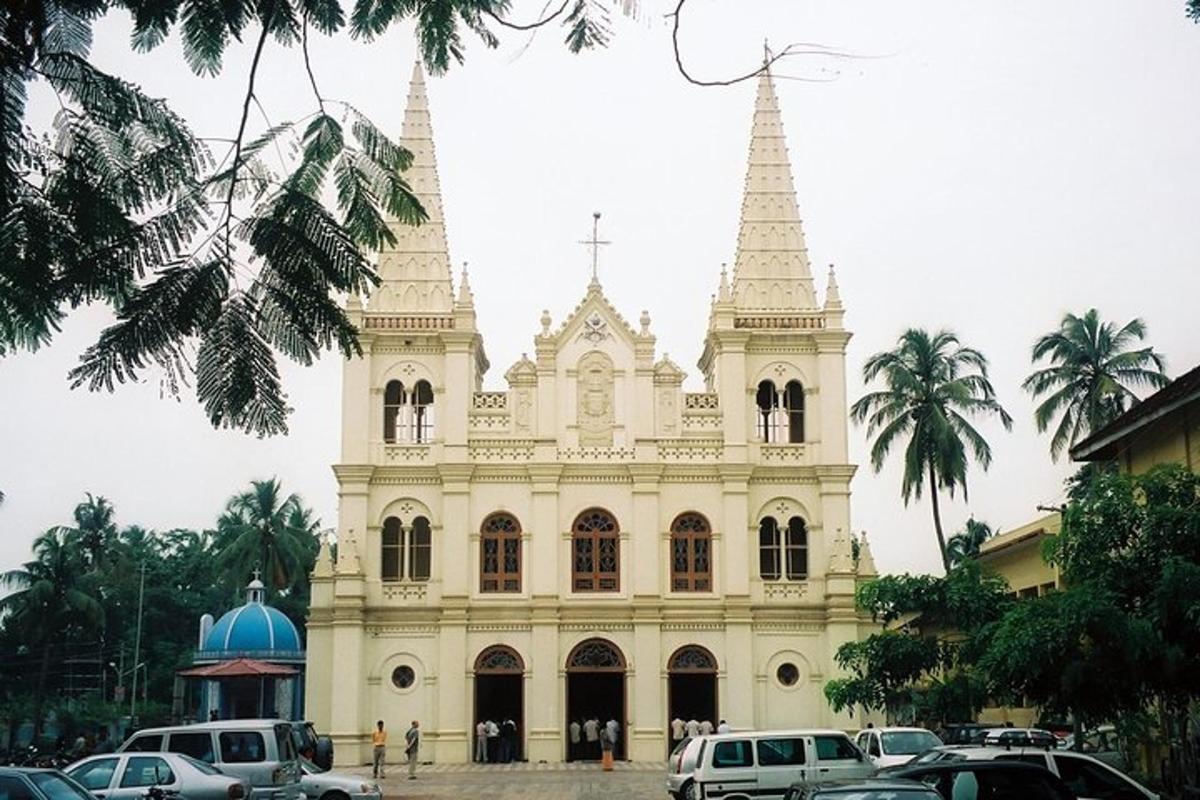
(127, 776)
(319, 784)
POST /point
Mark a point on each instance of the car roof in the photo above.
(899, 729)
(716, 737)
(24, 770)
(959, 766)
(861, 784)
(219, 725)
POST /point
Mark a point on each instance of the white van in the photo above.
(763, 764)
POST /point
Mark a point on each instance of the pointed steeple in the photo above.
(833, 297)
(465, 296)
(771, 271)
(415, 271)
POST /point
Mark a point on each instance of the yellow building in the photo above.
(589, 540)
(1162, 429)
(1016, 556)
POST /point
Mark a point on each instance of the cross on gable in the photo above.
(595, 242)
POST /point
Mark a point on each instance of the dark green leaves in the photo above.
(236, 377)
(587, 26)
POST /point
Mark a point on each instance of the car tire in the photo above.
(334, 794)
(687, 791)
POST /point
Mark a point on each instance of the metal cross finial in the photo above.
(595, 243)
(258, 575)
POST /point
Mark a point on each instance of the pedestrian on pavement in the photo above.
(693, 728)
(412, 745)
(706, 728)
(508, 740)
(481, 742)
(591, 732)
(614, 733)
(103, 743)
(606, 749)
(379, 749)
(493, 742)
(723, 727)
(677, 729)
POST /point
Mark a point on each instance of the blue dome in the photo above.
(253, 628)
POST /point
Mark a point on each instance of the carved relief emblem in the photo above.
(524, 401)
(595, 401)
(595, 329)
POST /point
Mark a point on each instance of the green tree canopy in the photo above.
(965, 544)
(1092, 374)
(933, 387)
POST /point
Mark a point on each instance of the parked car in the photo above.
(976, 780)
(764, 764)
(866, 789)
(260, 751)
(890, 747)
(1021, 737)
(1088, 778)
(932, 756)
(680, 766)
(322, 784)
(1101, 744)
(126, 776)
(39, 784)
(964, 732)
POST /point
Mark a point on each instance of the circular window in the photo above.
(403, 677)
(787, 674)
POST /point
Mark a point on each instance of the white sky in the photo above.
(995, 165)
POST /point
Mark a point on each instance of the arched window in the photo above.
(793, 401)
(392, 550)
(499, 660)
(768, 412)
(780, 414)
(770, 567)
(422, 428)
(595, 552)
(692, 658)
(500, 554)
(419, 547)
(691, 554)
(796, 550)
(393, 401)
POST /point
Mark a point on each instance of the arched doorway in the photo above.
(595, 691)
(691, 688)
(500, 698)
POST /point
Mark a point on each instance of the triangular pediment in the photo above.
(596, 321)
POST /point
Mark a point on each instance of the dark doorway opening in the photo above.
(595, 691)
(500, 699)
(691, 689)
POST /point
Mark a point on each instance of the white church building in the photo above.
(592, 541)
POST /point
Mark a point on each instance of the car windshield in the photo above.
(877, 794)
(310, 767)
(908, 743)
(58, 787)
(200, 766)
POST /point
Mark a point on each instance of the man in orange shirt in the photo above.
(379, 742)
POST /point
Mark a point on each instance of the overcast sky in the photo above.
(987, 167)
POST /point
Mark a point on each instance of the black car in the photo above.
(964, 733)
(29, 783)
(994, 780)
(864, 789)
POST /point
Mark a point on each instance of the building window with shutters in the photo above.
(595, 552)
(500, 554)
(691, 554)
(405, 551)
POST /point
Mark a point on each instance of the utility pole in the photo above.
(137, 650)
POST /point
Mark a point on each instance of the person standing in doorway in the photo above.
(412, 745)
(591, 732)
(606, 749)
(677, 729)
(723, 727)
(508, 740)
(706, 728)
(614, 734)
(481, 742)
(576, 731)
(693, 728)
(378, 750)
(493, 742)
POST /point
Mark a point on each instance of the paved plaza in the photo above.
(577, 781)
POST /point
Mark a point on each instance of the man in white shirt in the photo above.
(576, 731)
(706, 728)
(493, 741)
(677, 729)
(723, 727)
(481, 742)
(614, 731)
(693, 729)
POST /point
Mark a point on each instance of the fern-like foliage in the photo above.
(214, 264)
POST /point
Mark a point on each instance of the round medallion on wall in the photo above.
(403, 677)
(787, 674)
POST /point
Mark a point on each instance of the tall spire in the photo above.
(771, 270)
(415, 271)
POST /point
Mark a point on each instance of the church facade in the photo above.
(592, 541)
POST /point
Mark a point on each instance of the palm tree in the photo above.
(261, 527)
(964, 545)
(95, 529)
(933, 384)
(1091, 375)
(53, 596)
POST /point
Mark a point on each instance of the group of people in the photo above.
(590, 738)
(497, 742)
(412, 746)
(692, 728)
